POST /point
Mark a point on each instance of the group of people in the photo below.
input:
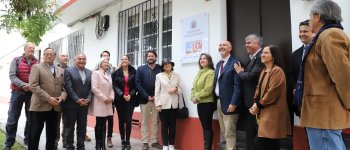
(261, 85)
(319, 75)
(322, 89)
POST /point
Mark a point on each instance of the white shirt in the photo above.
(82, 75)
(304, 48)
(217, 81)
(52, 68)
(252, 56)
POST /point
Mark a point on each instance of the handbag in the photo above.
(182, 112)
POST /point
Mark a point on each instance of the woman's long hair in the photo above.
(210, 61)
(277, 57)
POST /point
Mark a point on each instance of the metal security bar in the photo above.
(75, 45)
(139, 28)
(57, 46)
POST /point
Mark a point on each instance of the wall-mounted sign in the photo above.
(194, 37)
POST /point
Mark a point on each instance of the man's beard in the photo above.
(152, 61)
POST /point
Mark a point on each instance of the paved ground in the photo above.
(135, 143)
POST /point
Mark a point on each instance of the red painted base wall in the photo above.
(189, 134)
(300, 138)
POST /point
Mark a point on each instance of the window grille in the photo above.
(139, 28)
(75, 45)
(57, 46)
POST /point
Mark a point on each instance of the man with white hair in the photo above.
(63, 60)
(322, 90)
(250, 76)
(20, 69)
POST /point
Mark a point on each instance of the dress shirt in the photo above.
(252, 56)
(217, 81)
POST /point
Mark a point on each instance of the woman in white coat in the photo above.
(167, 91)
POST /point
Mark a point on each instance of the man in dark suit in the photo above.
(47, 84)
(305, 36)
(228, 94)
(63, 63)
(250, 76)
(78, 85)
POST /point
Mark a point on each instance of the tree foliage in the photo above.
(32, 18)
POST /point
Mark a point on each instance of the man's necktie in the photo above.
(221, 66)
(52, 68)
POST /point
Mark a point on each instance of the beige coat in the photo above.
(101, 87)
(326, 101)
(274, 121)
(44, 85)
(162, 97)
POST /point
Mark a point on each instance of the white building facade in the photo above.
(127, 35)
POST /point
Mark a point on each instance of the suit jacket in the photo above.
(326, 101)
(75, 87)
(250, 78)
(102, 89)
(143, 82)
(44, 85)
(229, 86)
(162, 97)
(274, 121)
(119, 85)
(295, 66)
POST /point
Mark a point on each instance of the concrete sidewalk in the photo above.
(135, 143)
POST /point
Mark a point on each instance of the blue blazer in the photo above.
(143, 82)
(75, 87)
(229, 86)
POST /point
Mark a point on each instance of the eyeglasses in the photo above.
(49, 54)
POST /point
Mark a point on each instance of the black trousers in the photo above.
(267, 144)
(110, 123)
(61, 117)
(252, 130)
(205, 113)
(168, 125)
(76, 116)
(125, 111)
(100, 129)
(37, 121)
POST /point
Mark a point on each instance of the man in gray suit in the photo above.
(78, 85)
(250, 76)
(47, 84)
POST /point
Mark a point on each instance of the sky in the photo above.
(11, 41)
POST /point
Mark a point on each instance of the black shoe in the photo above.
(157, 145)
(123, 145)
(103, 145)
(7, 148)
(98, 145)
(128, 147)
